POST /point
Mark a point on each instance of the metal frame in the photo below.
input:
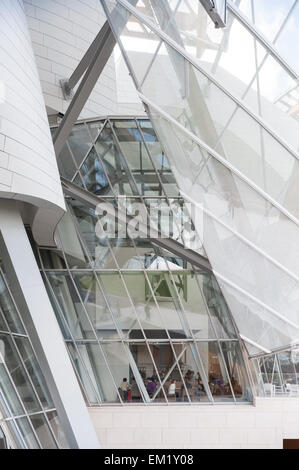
(166, 243)
(10, 334)
(198, 262)
(176, 45)
(211, 8)
(194, 62)
(261, 39)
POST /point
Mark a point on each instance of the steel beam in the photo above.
(99, 56)
(194, 258)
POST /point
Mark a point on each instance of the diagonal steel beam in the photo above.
(194, 258)
(100, 56)
(69, 84)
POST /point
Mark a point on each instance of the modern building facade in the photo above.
(148, 224)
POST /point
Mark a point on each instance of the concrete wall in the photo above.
(28, 168)
(61, 32)
(263, 425)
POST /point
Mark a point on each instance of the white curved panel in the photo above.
(28, 168)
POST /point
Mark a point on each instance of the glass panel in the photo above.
(27, 433)
(43, 432)
(60, 318)
(9, 310)
(236, 370)
(57, 430)
(120, 304)
(94, 128)
(95, 305)
(97, 248)
(78, 181)
(34, 372)
(193, 305)
(125, 253)
(215, 371)
(133, 148)
(3, 326)
(80, 142)
(15, 435)
(66, 163)
(146, 309)
(115, 164)
(268, 20)
(218, 309)
(287, 368)
(94, 176)
(99, 372)
(118, 359)
(169, 373)
(166, 298)
(286, 43)
(148, 371)
(192, 372)
(71, 306)
(7, 392)
(18, 375)
(254, 219)
(84, 370)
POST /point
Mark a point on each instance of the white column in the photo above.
(38, 315)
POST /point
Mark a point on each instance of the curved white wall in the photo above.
(28, 168)
(61, 32)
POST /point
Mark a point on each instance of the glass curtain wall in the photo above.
(231, 147)
(279, 374)
(27, 411)
(141, 324)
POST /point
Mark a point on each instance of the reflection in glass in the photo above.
(70, 306)
(9, 310)
(42, 430)
(17, 372)
(27, 433)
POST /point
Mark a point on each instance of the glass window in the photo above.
(100, 374)
(8, 396)
(18, 375)
(57, 429)
(93, 175)
(71, 306)
(95, 305)
(123, 366)
(34, 372)
(115, 165)
(97, 247)
(236, 370)
(80, 142)
(215, 371)
(83, 368)
(27, 433)
(193, 305)
(9, 310)
(66, 165)
(146, 308)
(120, 304)
(148, 370)
(42, 430)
